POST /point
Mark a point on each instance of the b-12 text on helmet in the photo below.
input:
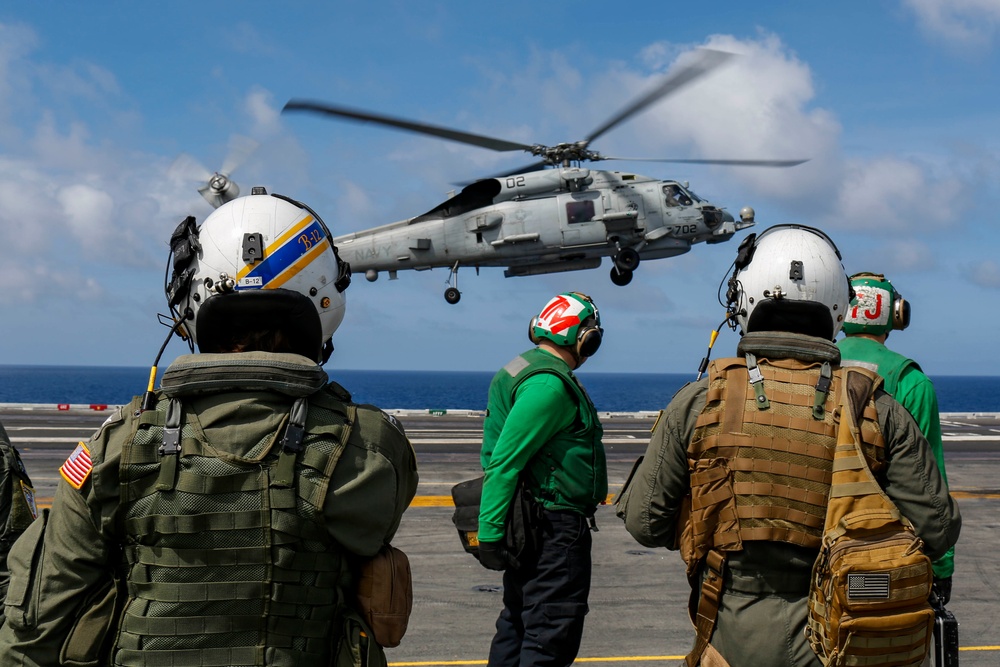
(570, 319)
(789, 278)
(877, 308)
(262, 263)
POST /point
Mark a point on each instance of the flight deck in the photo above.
(639, 597)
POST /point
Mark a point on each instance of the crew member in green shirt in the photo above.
(878, 309)
(542, 430)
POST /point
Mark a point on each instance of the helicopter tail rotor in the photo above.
(217, 187)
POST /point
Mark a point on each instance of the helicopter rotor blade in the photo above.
(240, 149)
(403, 124)
(706, 61)
(731, 163)
(187, 168)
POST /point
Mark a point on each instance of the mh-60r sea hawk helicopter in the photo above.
(550, 216)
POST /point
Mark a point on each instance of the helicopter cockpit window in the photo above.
(675, 195)
(580, 211)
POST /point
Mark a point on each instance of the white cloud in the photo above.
(89, 213)
(890, 194)
(259, 104)
(755, 106)
(962, 23)
(27, 282)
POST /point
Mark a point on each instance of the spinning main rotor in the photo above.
(705, 61)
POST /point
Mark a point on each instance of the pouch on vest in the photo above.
(355, 645)
(92, 635)
(868, 602)
(521, 527)
(24, 590)
(385, 595)
(17, 499)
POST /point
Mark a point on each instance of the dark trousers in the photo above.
(546, 600)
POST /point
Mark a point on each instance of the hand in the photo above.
(942, 588)
(495, 556)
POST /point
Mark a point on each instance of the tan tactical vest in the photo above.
(229, 561)
(761, 462)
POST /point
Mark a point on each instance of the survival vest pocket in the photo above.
(24, 561)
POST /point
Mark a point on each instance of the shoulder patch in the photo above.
(77, 467)
(29, 498)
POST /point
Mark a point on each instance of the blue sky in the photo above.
(894, 102)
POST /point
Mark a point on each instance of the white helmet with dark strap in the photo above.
(258, 263)
(789, 278)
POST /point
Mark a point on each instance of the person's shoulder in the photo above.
(690, 398)
(370, 418)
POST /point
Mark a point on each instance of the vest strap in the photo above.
(822, 390)
(170, 448)
(291, 443)
(708, 605)
(757, 382)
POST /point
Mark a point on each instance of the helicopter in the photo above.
(550, 216)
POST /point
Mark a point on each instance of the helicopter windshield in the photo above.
(675, 195)
(694, 196)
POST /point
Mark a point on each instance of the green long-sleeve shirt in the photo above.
(907, 384)
(542, 408)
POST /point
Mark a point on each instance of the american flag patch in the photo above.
(868, 586)
(77, 467)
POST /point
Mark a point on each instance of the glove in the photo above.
(942, 588)
(495, 556)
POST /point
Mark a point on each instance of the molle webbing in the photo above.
(762, 469)
(777, 458)
(229, 563)
(868, 602)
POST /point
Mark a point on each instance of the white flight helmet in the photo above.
(258, 263)
(790, 278)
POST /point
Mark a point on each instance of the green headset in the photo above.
(877, 308)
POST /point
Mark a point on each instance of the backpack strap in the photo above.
(707, 611)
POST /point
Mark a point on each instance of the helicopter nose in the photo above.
(713, 217)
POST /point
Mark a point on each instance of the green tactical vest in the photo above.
(570, 471)
(890, 365)
(229, 560)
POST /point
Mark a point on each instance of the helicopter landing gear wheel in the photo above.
(627, 259)
(620, 277)
(452, 295)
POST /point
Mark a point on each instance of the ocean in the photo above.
(433, 390)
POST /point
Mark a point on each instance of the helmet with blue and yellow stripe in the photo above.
(258, 264)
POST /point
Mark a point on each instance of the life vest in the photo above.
(887, 363)
(570, 470)
(228, 558)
